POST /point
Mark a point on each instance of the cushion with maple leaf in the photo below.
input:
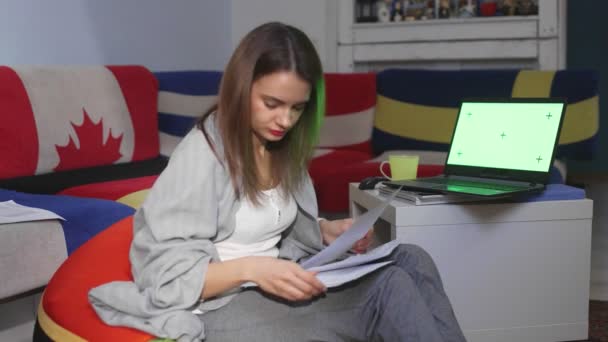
(65, 118)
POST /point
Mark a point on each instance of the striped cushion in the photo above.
(350, 104)
(183, 97)
(416, 109)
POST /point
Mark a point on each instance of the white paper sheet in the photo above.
(336, 273)
(341, 276)
(361, 225)
(11, 212)
(359, 259)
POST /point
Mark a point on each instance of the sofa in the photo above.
(415, 112)
(369, 115)
(69, 131)
(372, 115)
(104, 133)
(87, 142)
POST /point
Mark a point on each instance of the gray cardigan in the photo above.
(191, 206)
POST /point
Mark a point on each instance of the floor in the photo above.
(598, 191)
(18, 318)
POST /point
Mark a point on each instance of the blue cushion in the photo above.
(553, 192)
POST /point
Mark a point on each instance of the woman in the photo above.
(236, 205)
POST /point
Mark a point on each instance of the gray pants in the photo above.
(401, 302)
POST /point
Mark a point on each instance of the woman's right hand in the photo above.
(283, 278)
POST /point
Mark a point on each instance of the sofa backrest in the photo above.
(64, 118)
(349, 112)
(351, 98)
(416, 109)
(183, 97)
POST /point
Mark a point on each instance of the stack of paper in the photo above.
(334, 273)
(425, 198)
(11, 212)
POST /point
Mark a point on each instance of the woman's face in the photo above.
(277, 102)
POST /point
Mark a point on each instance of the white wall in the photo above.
(160, 34)
(317, 18)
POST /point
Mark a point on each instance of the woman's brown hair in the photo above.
(269, 48)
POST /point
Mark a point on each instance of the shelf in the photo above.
(495, 28)
(531, 42)
(436, 51)
(516, 18)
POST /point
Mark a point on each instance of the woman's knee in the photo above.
(394, 279)
(414, 257)
(412, 251)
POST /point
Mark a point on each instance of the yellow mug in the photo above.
(402, 166)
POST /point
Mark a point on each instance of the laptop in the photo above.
(499, 147)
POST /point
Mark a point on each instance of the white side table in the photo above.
(513, 271)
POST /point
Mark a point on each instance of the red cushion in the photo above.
(332, 185)
(347, 93)
(429, 170)
(111, 190)
(335, 160)
(102, 259)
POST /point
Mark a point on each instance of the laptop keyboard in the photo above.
(473, 184)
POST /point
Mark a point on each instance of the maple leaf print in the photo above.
(93, 150)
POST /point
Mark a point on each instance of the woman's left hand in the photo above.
(330, 230)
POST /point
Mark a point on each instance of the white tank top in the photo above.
(258, 229)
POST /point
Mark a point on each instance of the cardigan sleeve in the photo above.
(172, 231)
(171, 249)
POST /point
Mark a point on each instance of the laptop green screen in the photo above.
(517, 136)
